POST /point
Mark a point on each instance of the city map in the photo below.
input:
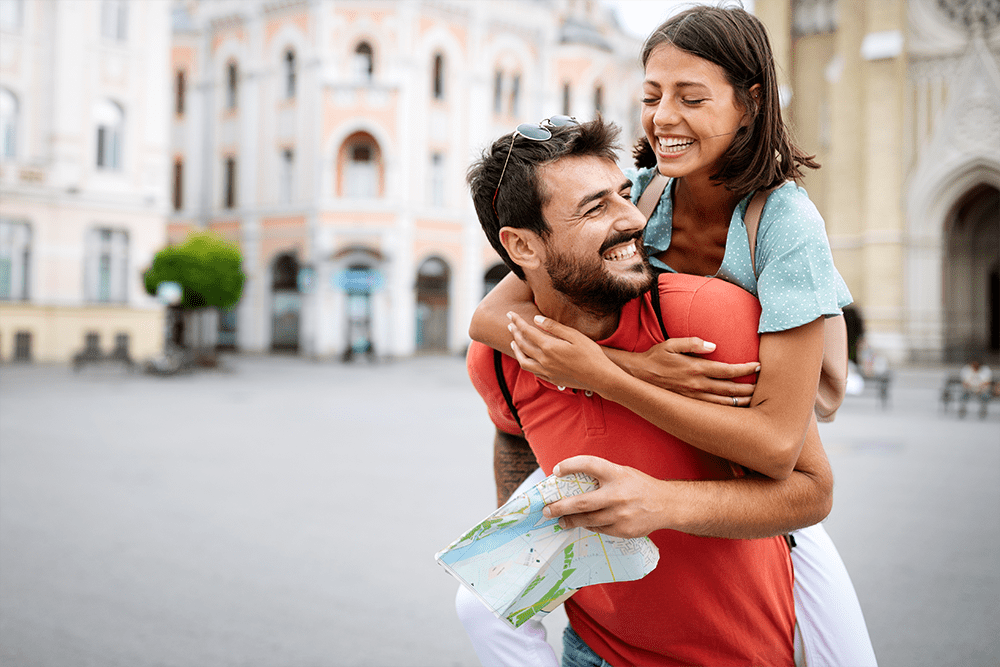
(521, 564)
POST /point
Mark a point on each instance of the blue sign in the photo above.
(359, 281)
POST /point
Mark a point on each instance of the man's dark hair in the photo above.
(762, 154)
(521, 197)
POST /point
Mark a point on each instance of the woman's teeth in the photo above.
(674, 144)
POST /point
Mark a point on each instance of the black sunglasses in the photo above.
(536, 132)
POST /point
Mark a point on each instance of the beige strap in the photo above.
(651, 195)
(752, 220)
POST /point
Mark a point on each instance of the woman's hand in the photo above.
(626, 503)
(559, 354)
(670, 366)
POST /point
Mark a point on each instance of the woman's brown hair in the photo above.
(762, 154)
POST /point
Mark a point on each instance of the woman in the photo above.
(712, 124)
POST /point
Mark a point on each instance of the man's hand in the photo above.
(626, 503)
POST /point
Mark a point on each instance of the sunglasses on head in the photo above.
(536, 132)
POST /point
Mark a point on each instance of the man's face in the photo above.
(594, 255)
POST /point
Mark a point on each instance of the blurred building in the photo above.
(330, 140)
(84, 93)
(900, 100)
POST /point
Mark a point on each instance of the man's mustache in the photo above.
(622, 237)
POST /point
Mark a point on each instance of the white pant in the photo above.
(831, 628)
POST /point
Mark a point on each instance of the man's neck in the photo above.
(556, 306)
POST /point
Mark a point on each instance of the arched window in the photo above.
(433, 278)
(289, 74)
(8, 124)
(598, 100)
(232, 85)
(106, 268)
(438, 85)
(110, 120)
(364, 63)
(180, 90)
(515, 95)
(361, 168)
(566, 100)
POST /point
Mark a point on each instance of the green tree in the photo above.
(207, 267)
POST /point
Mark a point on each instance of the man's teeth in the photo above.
(674, 144)
(618, 254)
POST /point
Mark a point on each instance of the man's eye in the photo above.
(595, 209)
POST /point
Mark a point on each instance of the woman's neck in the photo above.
(704, 200)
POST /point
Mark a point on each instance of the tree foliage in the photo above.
(207, 267)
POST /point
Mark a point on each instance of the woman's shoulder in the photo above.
(789, 207)
(640, 179)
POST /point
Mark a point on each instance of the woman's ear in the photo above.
(755, 104)
(524, 246)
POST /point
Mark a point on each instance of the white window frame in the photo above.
(114, 20)
(15, 259)
(106, 265)
(9, 121)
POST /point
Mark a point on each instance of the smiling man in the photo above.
(554, 204)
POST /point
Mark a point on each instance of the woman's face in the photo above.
(689, 112)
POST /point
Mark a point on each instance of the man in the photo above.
(557, 209)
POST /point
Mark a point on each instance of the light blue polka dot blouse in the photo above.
(797, 281)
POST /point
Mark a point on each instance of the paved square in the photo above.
(281, 512)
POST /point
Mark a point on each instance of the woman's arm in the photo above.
(629, 503)
(767, 437)
(666, 365)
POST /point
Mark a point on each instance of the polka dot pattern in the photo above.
(796, 280)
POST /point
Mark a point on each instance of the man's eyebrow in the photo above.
(594, 196)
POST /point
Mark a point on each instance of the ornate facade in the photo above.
(83, 196)
(900, 100)
(331, 139)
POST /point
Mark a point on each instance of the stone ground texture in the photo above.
(282, 512)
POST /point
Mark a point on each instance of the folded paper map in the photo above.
(521, 564)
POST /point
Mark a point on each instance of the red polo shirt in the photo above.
(712, 602)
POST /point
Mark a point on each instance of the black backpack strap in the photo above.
(504, 389)
(654, 297)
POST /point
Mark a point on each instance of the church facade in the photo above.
(900, 101)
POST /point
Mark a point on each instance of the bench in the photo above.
(952, 390)
(92, 353)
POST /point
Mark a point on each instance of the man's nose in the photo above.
(630, 218)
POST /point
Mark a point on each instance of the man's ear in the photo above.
(524, 246)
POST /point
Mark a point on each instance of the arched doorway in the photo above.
(494, 276)
(286, 303)
(433, 278)
(972, 276)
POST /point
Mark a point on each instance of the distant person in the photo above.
(977, 383)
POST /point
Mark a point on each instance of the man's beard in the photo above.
(590, 287)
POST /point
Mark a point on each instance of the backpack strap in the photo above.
(504, 389)
(651, 195)
(752, 220)
(654, 298)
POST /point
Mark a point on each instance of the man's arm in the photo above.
(629, 503)
(513, 461)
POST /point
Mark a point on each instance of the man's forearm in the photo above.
(513, 461)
